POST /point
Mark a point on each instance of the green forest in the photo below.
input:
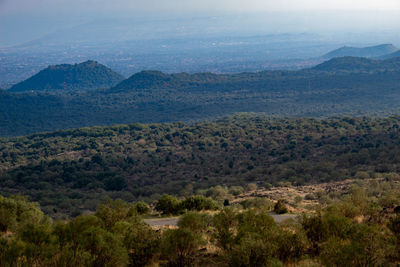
(70, 172)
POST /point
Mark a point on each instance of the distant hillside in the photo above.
(159, 80)
(391, 55)
(351, 86)
(83, 76)
(371, 51)
(358, 64)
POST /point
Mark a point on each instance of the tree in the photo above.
(113, 211)
(142, 208)
(141, 242)
(280, 207)
(115, 183)
(196, 222)
(225, 224)
(251, 187)
(198, 203)
(179, 245)
(105, 248)
(17, 211)
(39, 246)
(168, 205)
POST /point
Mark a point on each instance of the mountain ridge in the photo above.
(370, 51)
(358, 64)
(391, 55)
(342, 86)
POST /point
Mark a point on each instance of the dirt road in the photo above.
(173, 221)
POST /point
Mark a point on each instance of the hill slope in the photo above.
(371, 51)
(391, 55)
(83, 76)
(367, 87)
(74, 169)
(358, 64)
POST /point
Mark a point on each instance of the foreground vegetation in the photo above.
(69, 172)
(360, 228)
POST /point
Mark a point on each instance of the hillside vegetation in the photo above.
(343, 86)
(70, 171)
(360, 228)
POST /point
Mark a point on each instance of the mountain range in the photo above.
(340, 86)
(392, 55)
(358, 64)
(369, 52)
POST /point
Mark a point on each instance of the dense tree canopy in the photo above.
(69, 172)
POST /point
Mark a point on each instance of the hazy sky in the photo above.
(24, 20)
(44, 6)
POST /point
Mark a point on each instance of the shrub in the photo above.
(256, 202)
(179, 246)
(236, 190)
(198, 203)
(196, 222)
(141, 242)
(298, 199)
(280, 207)
(309, 197)
(142, 208)
(168, 205)
(16, 211)
(113, 211)
(251, 187)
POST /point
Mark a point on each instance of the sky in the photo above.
(25, 20)
(48, 6)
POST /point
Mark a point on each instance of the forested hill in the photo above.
(72, 170)
(265, 79)
(371, 51)
(159, 80)
(83, 76)
(342, 86)
(359, 64)
(392, 55)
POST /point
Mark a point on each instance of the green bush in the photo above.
(198, 203)
(142, 208)
(280, 207)
(257, 202)
(179, 246)
(16, 210)
(196, 222)
(168, 205)
(141, 242)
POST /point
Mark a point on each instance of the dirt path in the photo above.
(173, 221)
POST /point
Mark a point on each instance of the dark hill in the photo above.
(391, 55)
(83, 76)
(352, 86)
(158, 80)
(358, 64)
(144, 79)
(371, 51)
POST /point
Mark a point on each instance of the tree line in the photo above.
(354, 231)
